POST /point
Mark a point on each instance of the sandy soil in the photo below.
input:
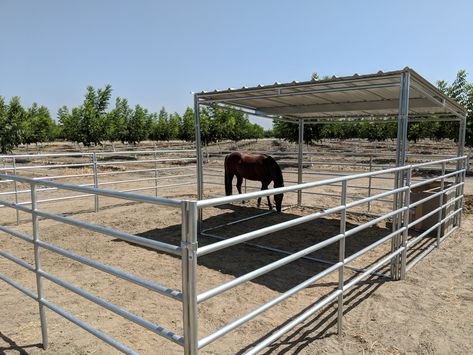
(430, 312)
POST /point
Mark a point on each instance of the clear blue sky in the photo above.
(156, 53)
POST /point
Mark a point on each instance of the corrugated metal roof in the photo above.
(372, 95)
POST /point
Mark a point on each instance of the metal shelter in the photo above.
(403, 96)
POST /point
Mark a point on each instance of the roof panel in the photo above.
(354, 96)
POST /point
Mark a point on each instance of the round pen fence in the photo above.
(448, 174)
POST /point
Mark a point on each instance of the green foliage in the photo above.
(11, 124)
(116, 123)
(92, 116)
(290, 131)
(38, 126)
(161, 127)
(91, 124)
(187, 131)
(139, 125)
(462, 92)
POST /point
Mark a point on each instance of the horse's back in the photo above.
(247, 165)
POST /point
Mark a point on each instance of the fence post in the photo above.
(300, 159)
(462, 191)
(442, 187)
(190, 216)
(37, 260)
(16, 193)
(96, 180)
(155, 174)
(369, 182)
(341, 256)
(405, 233)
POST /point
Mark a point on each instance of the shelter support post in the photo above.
(399, 179)
(461, 164)
(300, 158)
(405, 222)
(341, 257)
(37, 261)
(189, 276)
(441, 202)
(198, 149)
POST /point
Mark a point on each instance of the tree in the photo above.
(290, 131)
(38, 126)
(139, 125)
(91, 115)
(174, 125)
(161, 129)
(187, 131)
(68, 125)
(116, 121)
(11, 121)
(461, 91)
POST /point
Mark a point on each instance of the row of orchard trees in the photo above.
(94, 122)
(24, 126)
(460, 90)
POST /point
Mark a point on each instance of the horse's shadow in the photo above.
(241, 259)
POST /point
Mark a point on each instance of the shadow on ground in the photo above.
(241, 259)
(14, 347)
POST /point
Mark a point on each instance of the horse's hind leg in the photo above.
(228, 183)
(259, 198)
(265, 187)
(239, 183)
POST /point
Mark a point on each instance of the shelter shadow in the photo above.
(240, 259)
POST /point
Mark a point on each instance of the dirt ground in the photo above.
(430, 312)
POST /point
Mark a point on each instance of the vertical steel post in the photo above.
(460, 164)
(462, 191)
(155, 174)
(370, 182)
(300, 157)
(405, 223)
(341, 256)
(37, 261)
(16, 193)
(96, 180)
(189, 247)
(441, 201)
(401, 157)
(198, 149)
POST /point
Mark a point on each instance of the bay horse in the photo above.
(256, 167)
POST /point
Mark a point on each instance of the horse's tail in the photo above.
(277, 174)
(228, 181)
